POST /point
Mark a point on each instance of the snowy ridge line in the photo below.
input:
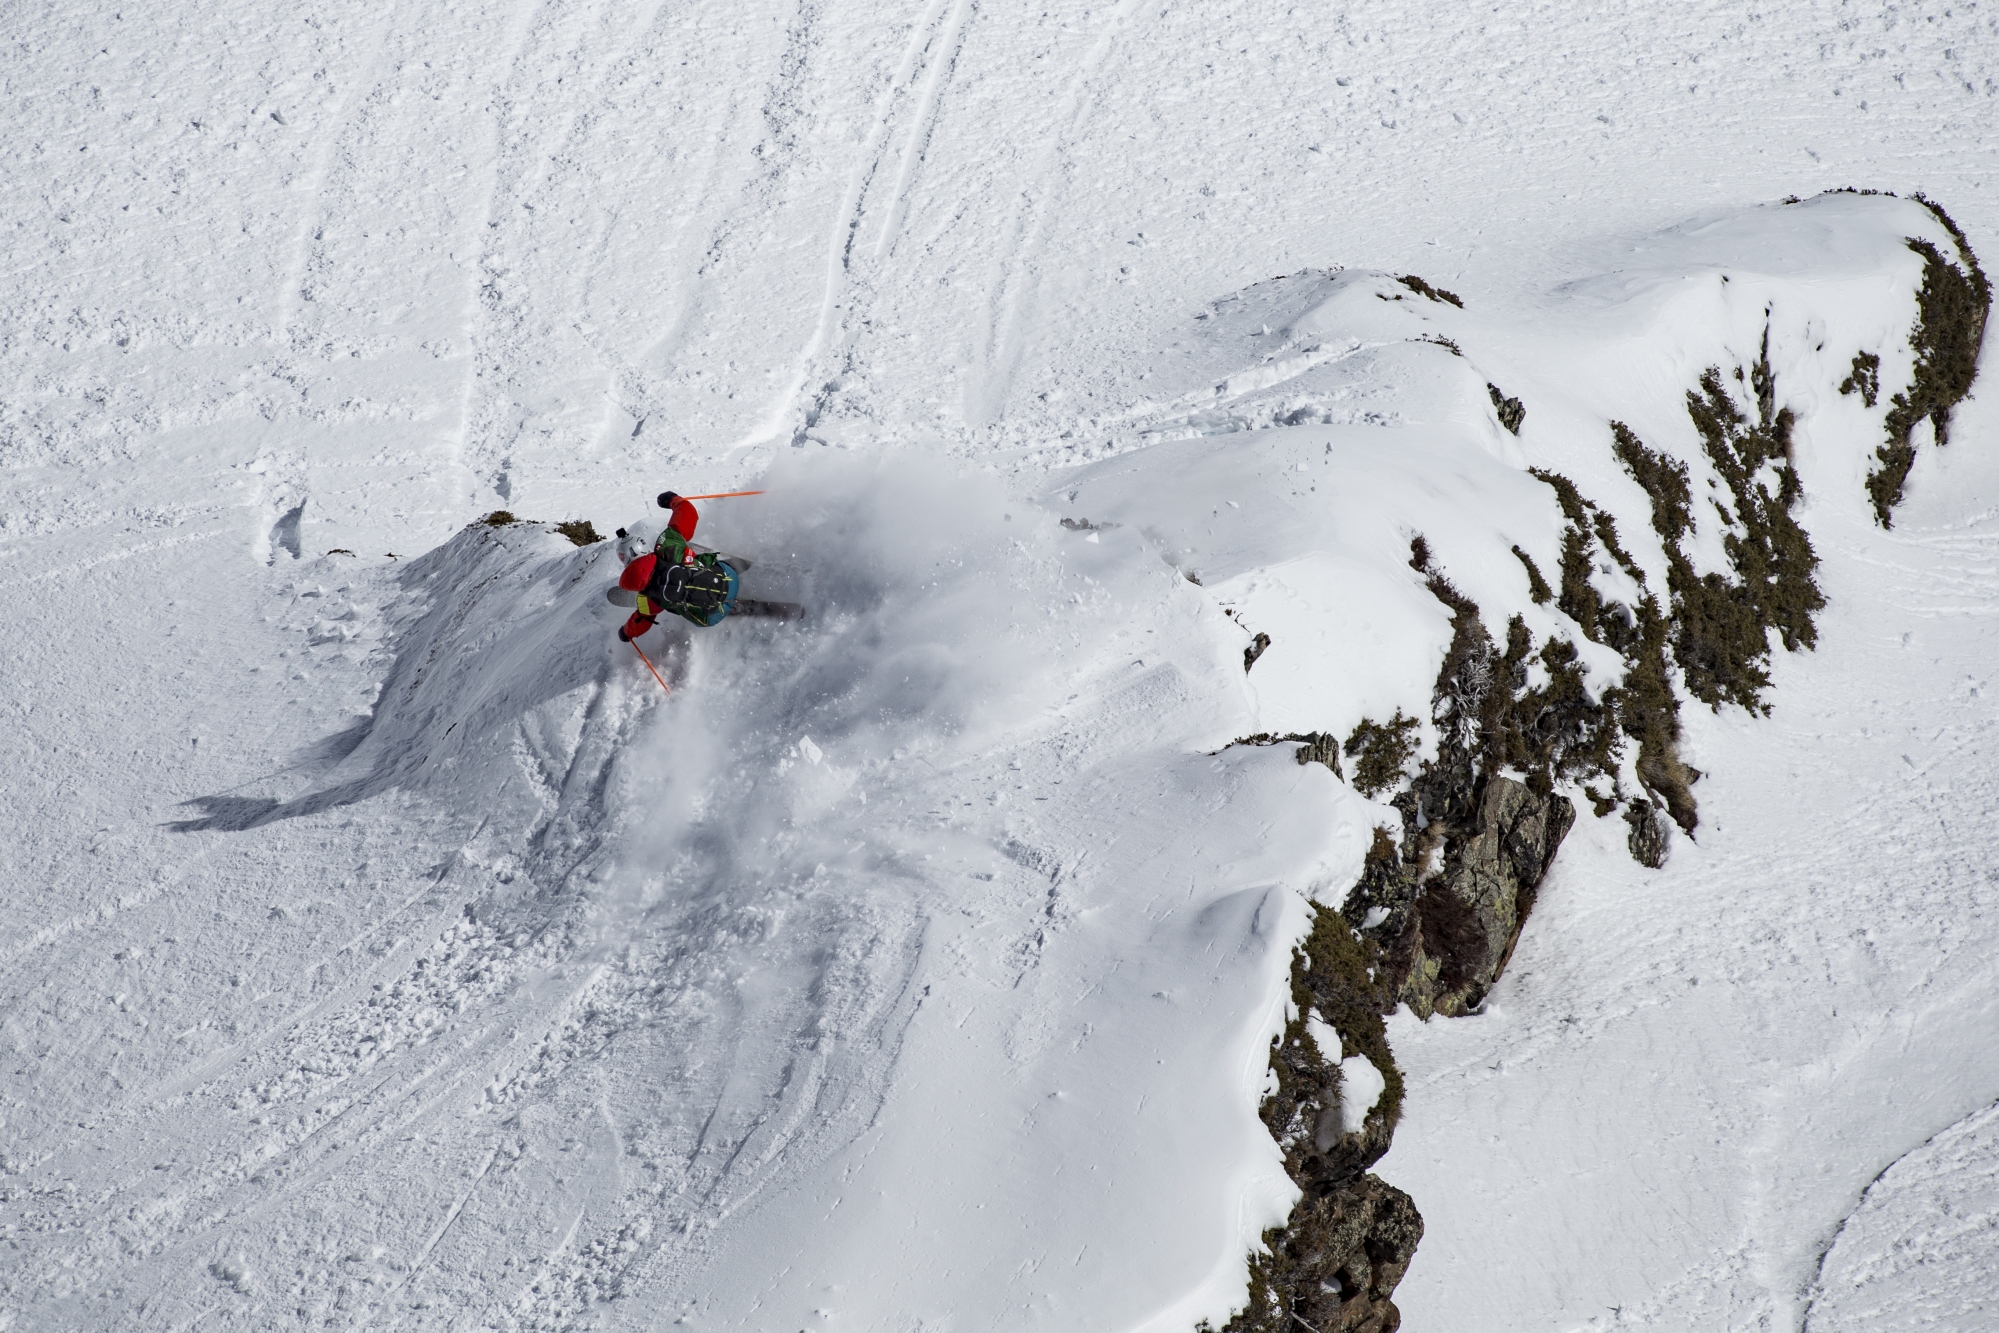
(1584, 693)
(1275, 371)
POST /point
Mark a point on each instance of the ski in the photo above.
(768, 610)
(745, 606)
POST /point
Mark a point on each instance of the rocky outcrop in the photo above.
(1446, 935)
(1336, 1260)
(1440, 903)
(1647, 839)
(1433, 928)
(1445, 901)
(1333, 1266)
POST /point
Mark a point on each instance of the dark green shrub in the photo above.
(1349, 1238)
(1606, 532)
(1949, 333)
(1720, 642)
(1664, 480)
(1384, 750)
(1537, 587)
(1864, 379)
(1422, 288)
(1578, 599)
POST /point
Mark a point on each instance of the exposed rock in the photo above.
(1320, 748)
(1335, 977)
(1422, 288)
(1335, 1264)
(1349, 1239)
(1446, 935)
(1647, 839)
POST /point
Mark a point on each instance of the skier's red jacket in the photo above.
(672, 545)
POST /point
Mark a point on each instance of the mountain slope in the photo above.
(382, 946)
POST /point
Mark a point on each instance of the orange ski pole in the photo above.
(720, 495)
(650, 667)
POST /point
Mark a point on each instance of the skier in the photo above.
(675, 578)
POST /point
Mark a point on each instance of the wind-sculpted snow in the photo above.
(1358, 555)
(1299, 518)
(486, 629)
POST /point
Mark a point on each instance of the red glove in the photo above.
(685, 516)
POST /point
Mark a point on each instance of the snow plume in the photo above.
(888, 824)
(925, 637)
(793, 815)
(930, 594)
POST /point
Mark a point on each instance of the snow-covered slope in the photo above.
(857, 930)
(1920, 1248)
(1690, 1076)
(381, 946)
(1804, 900)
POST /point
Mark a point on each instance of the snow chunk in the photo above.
(1361, 1086)
(1323, 1036)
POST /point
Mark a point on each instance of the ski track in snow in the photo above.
(1921, 1244)
(310, 1021)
